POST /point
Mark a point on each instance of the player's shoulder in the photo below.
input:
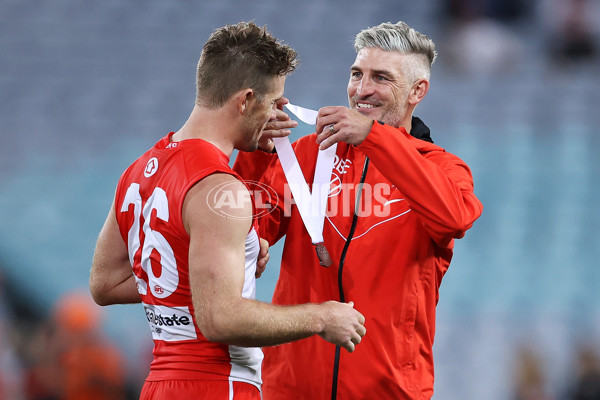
(224, 178)
(224, 195)
(219, 185)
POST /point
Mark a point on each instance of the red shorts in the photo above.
(193, 389)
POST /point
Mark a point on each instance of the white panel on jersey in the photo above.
(170, 323)
(246, 364)
(252, 250)
(246, 361)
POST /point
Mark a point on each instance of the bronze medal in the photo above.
(323, 254)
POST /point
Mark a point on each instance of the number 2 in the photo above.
(167, 282)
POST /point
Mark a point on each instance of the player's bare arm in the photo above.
(217, 243)
(111, 277)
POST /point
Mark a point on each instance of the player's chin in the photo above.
(248, 147)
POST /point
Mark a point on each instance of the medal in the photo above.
(323, 254)
(311, 204)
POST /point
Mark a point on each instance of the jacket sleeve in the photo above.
(265, 169)
(438, 185)
(251, 166)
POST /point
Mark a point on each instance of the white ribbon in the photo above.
(305, 115)
(311, 206)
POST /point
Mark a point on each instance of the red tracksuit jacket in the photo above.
(416, 199)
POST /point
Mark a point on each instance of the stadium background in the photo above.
(88, 86)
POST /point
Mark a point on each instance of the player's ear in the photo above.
(418, 91)
(243, 99)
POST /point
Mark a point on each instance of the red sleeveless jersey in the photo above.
(148, 205)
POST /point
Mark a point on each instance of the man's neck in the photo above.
(211, 125)
(406, 123)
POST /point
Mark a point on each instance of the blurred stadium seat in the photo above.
(87, 87)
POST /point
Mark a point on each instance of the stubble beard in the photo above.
(387, 115)
(250, 142)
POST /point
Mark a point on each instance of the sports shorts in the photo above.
(194, 389)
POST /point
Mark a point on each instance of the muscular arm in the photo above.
(216, 265)
(111, 278)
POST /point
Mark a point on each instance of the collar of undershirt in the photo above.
(419, 130)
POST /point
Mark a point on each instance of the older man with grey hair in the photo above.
(410, 198)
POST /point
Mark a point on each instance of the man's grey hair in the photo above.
(404, 39)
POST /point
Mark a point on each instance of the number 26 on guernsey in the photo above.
(168, 280)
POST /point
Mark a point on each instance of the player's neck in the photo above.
(211, 125)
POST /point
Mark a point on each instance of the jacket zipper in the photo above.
(336, 362)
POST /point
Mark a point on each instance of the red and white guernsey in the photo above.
(148, 206)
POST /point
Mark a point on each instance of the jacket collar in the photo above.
(419, 130)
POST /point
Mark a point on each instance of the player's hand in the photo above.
(344, 326)
(341, 124)
(279, 126)
(263, 258)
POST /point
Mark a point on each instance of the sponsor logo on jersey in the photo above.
(170, 323)
(341, 166)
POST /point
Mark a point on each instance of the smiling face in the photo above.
(378, 87)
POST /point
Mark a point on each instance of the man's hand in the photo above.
(263, 258)
(341, 124)
(277, 127)
(344, 326)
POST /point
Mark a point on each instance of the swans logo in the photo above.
(151, 167)
(225, 201)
